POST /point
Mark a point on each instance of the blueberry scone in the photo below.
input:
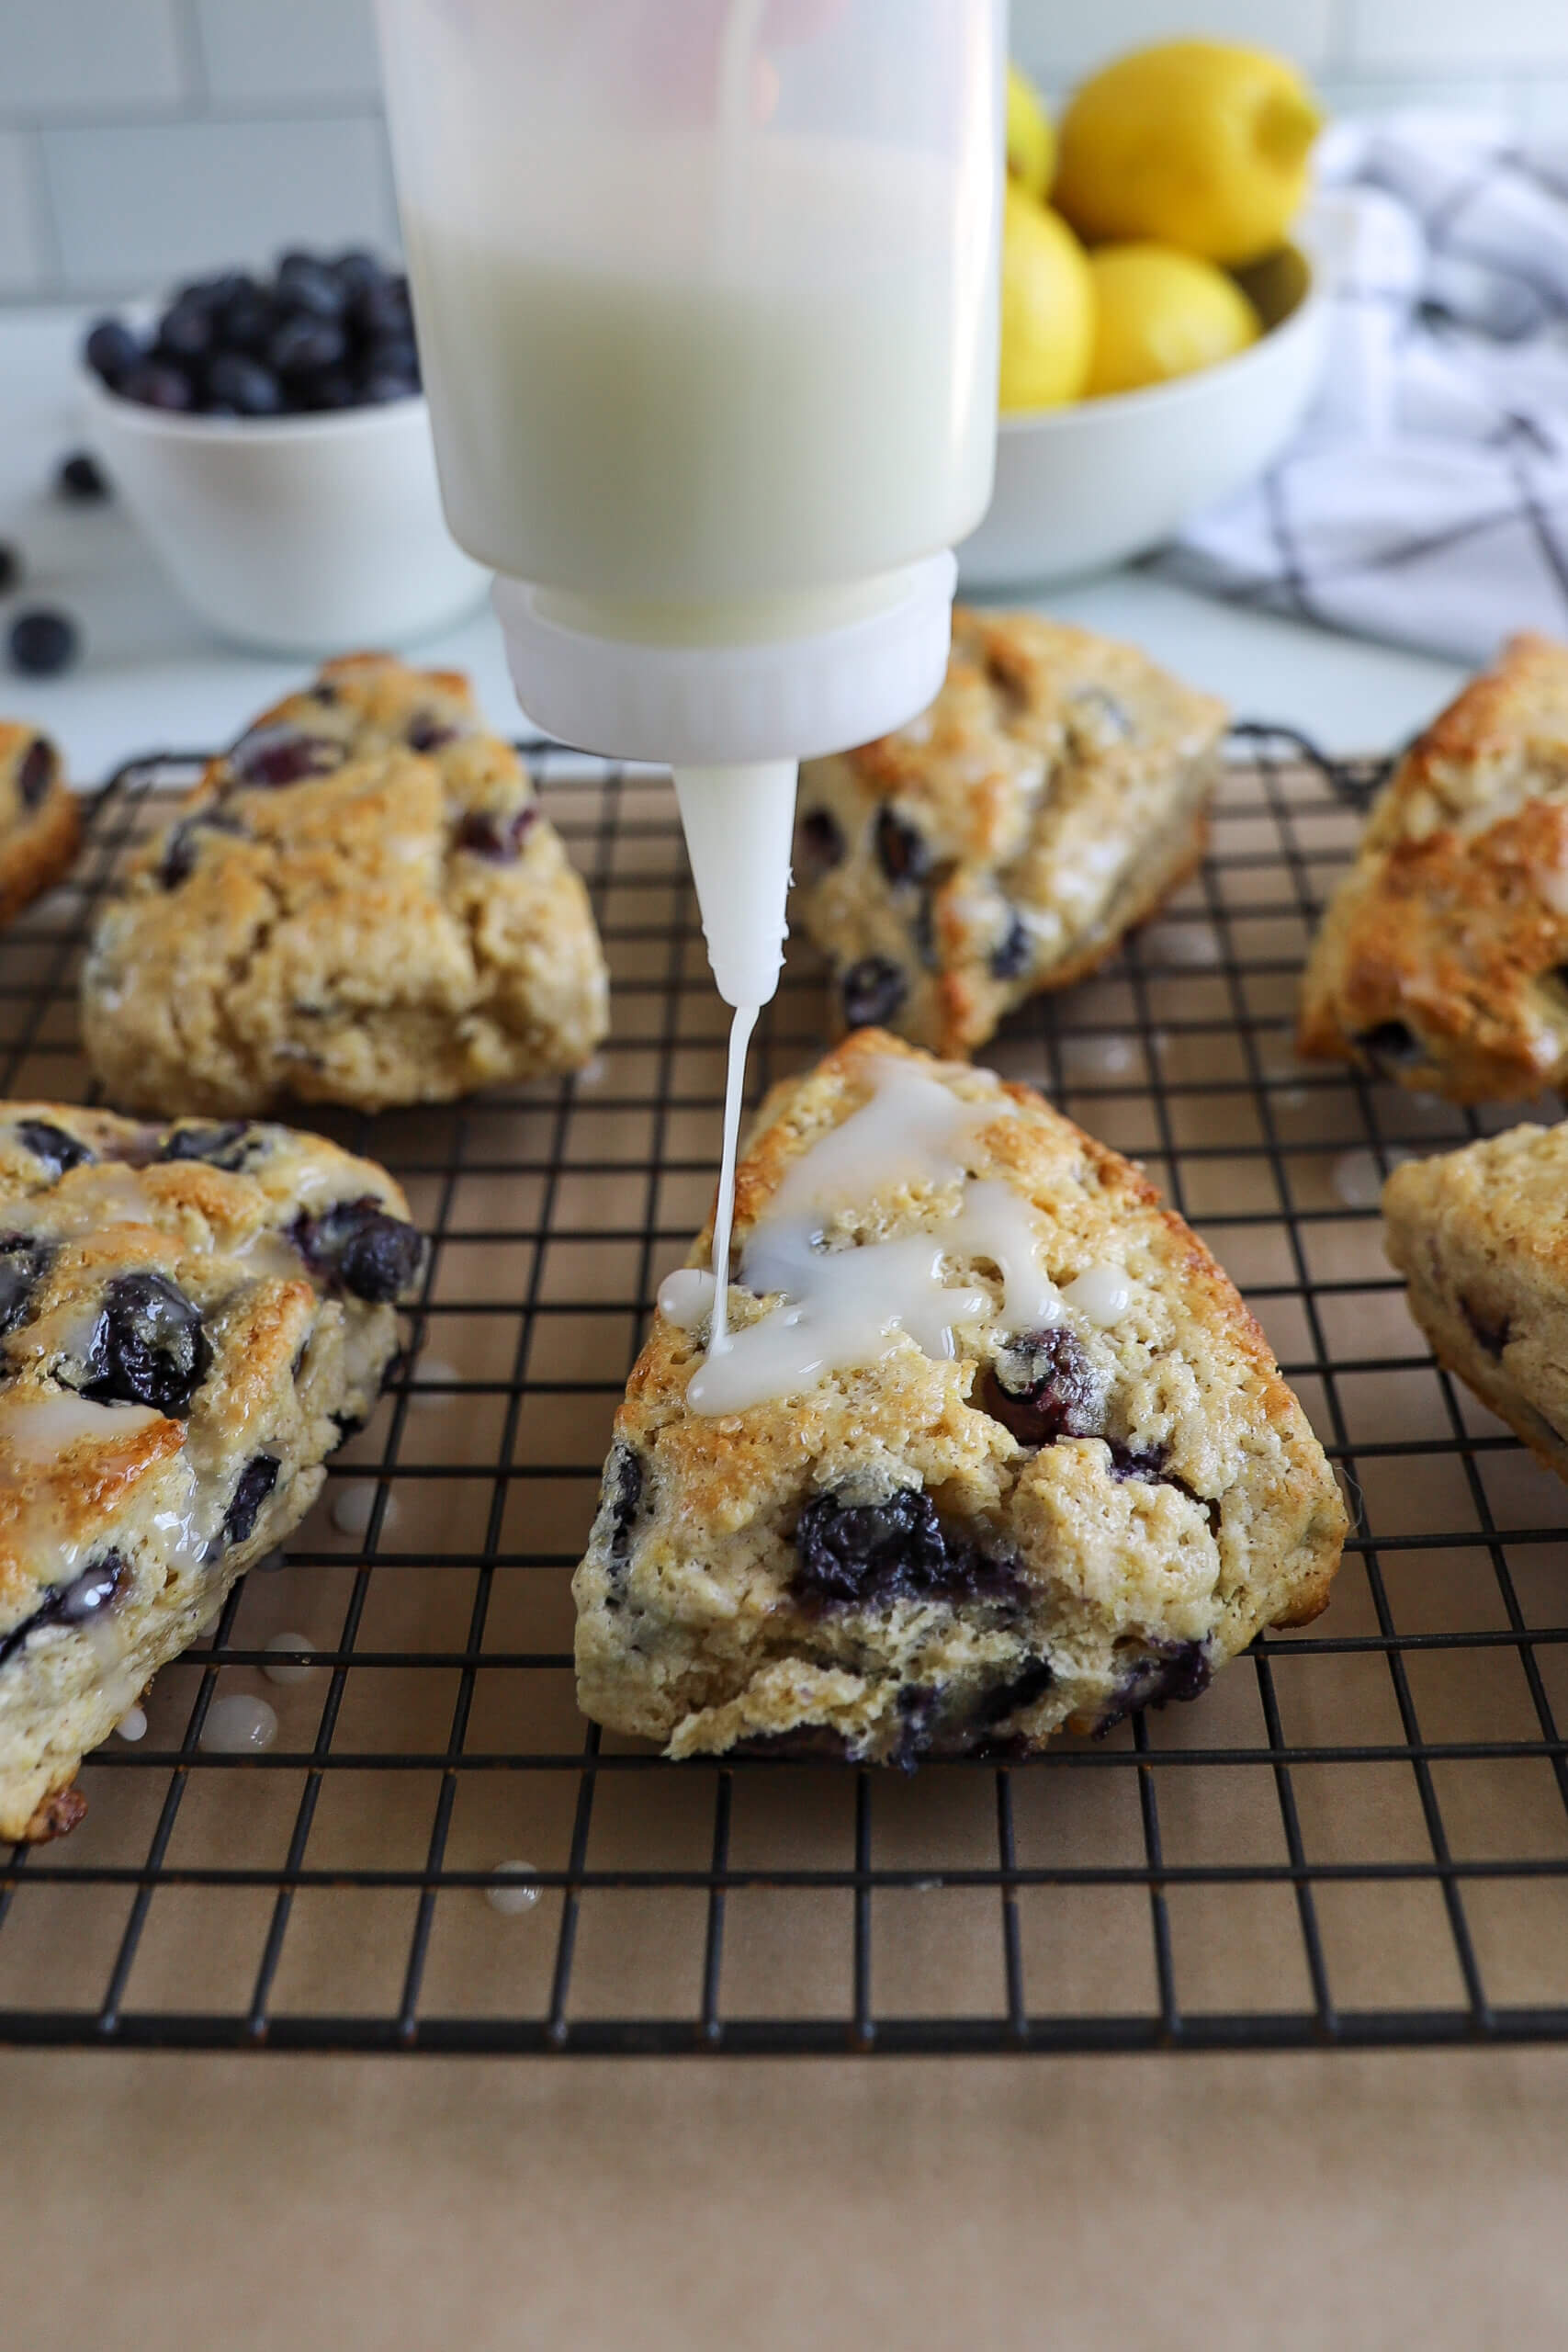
(994, 1446)
(1442, 962)
(1056, 792)
(360, 904)
(192, 1316)
(1481, 1236)
(41, 823)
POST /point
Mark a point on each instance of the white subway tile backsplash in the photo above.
(136, 207)
(1424, 34)
(22, 265)
(65, 57)
(1060, 44)
(267, 49)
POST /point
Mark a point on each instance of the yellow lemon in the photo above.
(1160, 313)
(1031, 142)
(1047, 306)
(1195, 143)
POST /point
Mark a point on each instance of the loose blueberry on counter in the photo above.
(1392, 1045)
(256, 1481)
(485, 833)
(70, 1604)
(24, 1261)
(51, 1144)
(871, 991)
(358, 1247)
(1012, 955)
(1045, 1387)
(80, 479)
(852, 1555)
(902, 851)
(149, 1348)
(820, 842)
(44, 642)
(37, 773)
(227, 1146)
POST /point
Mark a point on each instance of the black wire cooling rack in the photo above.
(1359, 1836)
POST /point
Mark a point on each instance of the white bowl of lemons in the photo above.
(1163, 333)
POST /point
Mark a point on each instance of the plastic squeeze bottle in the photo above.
(706, 294)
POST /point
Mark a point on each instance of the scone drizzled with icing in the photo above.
(191, 1318)
(1442, 962)
(1481, 1236)
(1053, 796)
(994, 1447)
(40, 821)
(361, 903)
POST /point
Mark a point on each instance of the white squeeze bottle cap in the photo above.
(707, 294)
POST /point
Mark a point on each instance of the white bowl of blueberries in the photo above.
(271, 438)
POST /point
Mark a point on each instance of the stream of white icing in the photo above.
(740, 1030)
(848, 1306)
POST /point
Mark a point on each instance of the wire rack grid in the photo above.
(1359, 1836)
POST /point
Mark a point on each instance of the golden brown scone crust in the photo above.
(1481, 1236)
(361, 903)
(1442, 962)
(124, 1521)
(1116, 1565)
(1050, 798)
(40, 821)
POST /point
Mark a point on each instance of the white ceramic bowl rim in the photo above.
(320, 425)
(1067, 414)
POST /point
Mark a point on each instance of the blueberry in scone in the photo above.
(1442, 960)
(191, 1317)
(361, 902)
(1481, 1236)
(995, 1448)
(41, 823)
(1054, 793)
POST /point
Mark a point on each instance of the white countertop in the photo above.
(151, 675)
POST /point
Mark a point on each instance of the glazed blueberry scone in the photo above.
(40, 822)
(191, 1318)
(1442, 960)
(1054, 793)
(996, 1446)
(1481, 1236)
(361, 903)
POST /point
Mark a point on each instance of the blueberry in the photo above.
(305, 347)
(80, 479)
(111, 351)
(901, 849)
(51, 1144)
(44, 642)
(358, 1248)
(1020, 1691)
(332, 389)
(227, 1146)
(36, 772)
(1393, 1044)
(149, 1348)
(380, 385)
(156, 384)
(185, 334)
(277, 755)
(393, 354)
(1108, 719)
(871, 991)
(426, 733)
(382, 308)
(1173, 1671)
(624, 1478)
(24, 1262)
(310, 288)
(85, 1597)
(178, 861)
(819, 843)
(243, 384)
(870, 1553)
(1050, 1390)
(357, 268)
(256, 1481)
(10, 568)
(486, 833)
(246, 321)
(1013, 952)
(1491, 1330)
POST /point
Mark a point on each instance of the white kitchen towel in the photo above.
(1425, 499)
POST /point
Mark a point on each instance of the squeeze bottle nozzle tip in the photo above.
(739, 823)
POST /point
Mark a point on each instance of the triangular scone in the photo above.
(1481, 1236)
(1056, 792)
(1054, 1525)
(1442, 962)
(362, 902)
(192, 1317)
